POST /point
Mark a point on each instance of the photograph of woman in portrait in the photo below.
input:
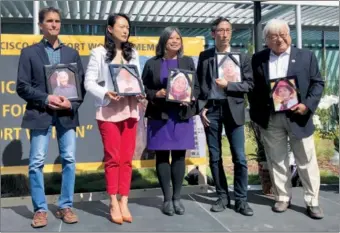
(228, 68)
(284, 95)
(63, 83)
(127, 83)
(180, 88)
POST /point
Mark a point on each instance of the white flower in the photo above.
(317, 122)
(327, 101)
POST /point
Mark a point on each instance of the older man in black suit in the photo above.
(277, 61)
(222, 104)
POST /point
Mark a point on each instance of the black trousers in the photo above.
(219, 115)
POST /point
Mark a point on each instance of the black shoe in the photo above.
(179, 207)
(315, 212)
(242, 207)
(168, 208)
(221, 204)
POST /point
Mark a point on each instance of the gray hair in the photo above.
(274, 25)
(163, 39)
(63, 74)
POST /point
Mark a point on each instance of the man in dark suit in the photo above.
(221, 102)
(46, 110)
(277, 61)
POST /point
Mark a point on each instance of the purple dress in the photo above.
(170, 134)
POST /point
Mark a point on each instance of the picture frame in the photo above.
(284, 93)
(228, 66)
(126, 80)
(62, 80)
(180, 85)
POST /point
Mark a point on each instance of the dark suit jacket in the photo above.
(304, 65)
(31, 86)
(158, 108)
(206, 71)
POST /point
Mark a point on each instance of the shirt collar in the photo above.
(287, 52)
(228, 50)
(46, 43)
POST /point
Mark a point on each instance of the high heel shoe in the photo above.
(117, 220)
(126, 218)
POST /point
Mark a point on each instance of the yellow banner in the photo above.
(12, 44)
(94, 166)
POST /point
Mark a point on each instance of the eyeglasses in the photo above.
(276, 37)
(222, 30)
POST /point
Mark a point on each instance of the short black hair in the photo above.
(45, 10)
(217, 22)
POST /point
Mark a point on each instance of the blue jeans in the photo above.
(67, 148)
(220, 115)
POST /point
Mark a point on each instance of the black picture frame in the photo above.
(231, 61)
(186, 95)
(54, 73)
(116, 69)
(292, 86)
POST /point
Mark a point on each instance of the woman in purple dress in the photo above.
(170, 125)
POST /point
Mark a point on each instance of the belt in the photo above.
(216, 102)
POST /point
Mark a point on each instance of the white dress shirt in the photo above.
(278, 65)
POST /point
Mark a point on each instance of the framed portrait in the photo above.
(180, 86)
(126, 80)
(228, 66)
(284, 93)
(62, 80)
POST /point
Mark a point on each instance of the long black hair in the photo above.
(163, 39)
(109, 42)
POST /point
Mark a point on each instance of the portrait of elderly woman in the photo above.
(65, 84)
(180, 88)
(228, 68)
(284, 96)
(127, 83)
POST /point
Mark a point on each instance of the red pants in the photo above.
(119, 141)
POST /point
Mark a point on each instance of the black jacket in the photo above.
(206, 71)
(31, 86)
(304, 65)
(158, 108)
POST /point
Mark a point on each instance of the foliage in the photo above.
(326, 118)
(250, 49)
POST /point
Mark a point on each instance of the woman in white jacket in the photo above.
(116, 116)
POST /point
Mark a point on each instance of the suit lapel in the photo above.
(265, 65)
(182, 64)
(42, 53)
(292, 61)
(211, 67)
(157, 72)
(62, 55)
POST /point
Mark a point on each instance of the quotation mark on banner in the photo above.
(81, 130)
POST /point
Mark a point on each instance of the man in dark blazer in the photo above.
(221, 103)
(45, 110)
(277, 61)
